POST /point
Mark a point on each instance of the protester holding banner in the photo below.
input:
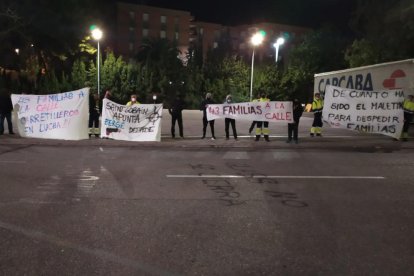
(294, 127)
(94, 115)
(133, 100)
(176, 116)
(254, 122)
(262, 126)
(6, 108)
(317, 107)
(203, 107)
(408, 116)
(228, 121)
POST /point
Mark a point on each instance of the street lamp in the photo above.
(97, 35)
(154, 97)
(256, 40)
(279, 42)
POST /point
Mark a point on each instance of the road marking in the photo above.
(101, 149)
(273, 176)
(12, 162)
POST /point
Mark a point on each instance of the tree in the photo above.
(384, 31)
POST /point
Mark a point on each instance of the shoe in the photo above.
(267, 140)
(90, 135)
(288, 141)
(97, 135)
(227, 138)
(257, 139)
(203, 137)
(11, 133)
(312, 134)
(296, 142)
(318, 134)
(213, 138)
(235, 138)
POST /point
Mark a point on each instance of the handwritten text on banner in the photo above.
(252, 111)
(54, 116)
(365, 111)
(131, 123)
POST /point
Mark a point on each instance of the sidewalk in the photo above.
(192, 120)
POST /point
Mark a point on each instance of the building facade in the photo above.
(136, 23)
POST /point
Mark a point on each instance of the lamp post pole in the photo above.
(277, 44)
(256, 40)
(251, 76)
(97, 35)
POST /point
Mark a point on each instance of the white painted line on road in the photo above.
(101, 149)
(273, 176)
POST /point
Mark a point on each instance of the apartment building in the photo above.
(135, 23)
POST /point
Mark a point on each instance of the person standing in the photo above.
(317, 107)
(254, 122)
(408, 116)
(262, 126)
(176, 116)
(204, 104)
(228, 121)
(6, 108)
(133, 100)
(94, 115)
(293, 128)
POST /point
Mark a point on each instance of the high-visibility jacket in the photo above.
(317, 105)
(408, 106)
(263, 100)
(408, 110)
(130, 103)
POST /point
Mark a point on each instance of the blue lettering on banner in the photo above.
(114, 123)
(358, 81)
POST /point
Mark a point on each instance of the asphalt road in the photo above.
(340, 205)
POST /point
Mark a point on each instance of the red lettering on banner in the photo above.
(47, 107)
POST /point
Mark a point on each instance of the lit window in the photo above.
(163, 19)
(145, 32)
(145, 17)
(163, 34)
(176, 35)
(201, 31)
(215, 45)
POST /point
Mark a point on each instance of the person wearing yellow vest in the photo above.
(262, 126)
(133, 100)
(317, 106)
(408, 115)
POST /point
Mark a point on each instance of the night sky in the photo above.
(311, 13)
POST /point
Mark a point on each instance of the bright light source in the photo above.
(154, 97)
(257, 39)
(17, 50)
(97, 33)
(279, 42)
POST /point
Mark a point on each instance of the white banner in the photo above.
(55, 116)
(131, 123)
(252, 111)
(365, 111)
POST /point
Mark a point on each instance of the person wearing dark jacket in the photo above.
(176, 116)
(203, 107)
(230, 121)
(94, 115)
(293, 127)
(6, 108)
